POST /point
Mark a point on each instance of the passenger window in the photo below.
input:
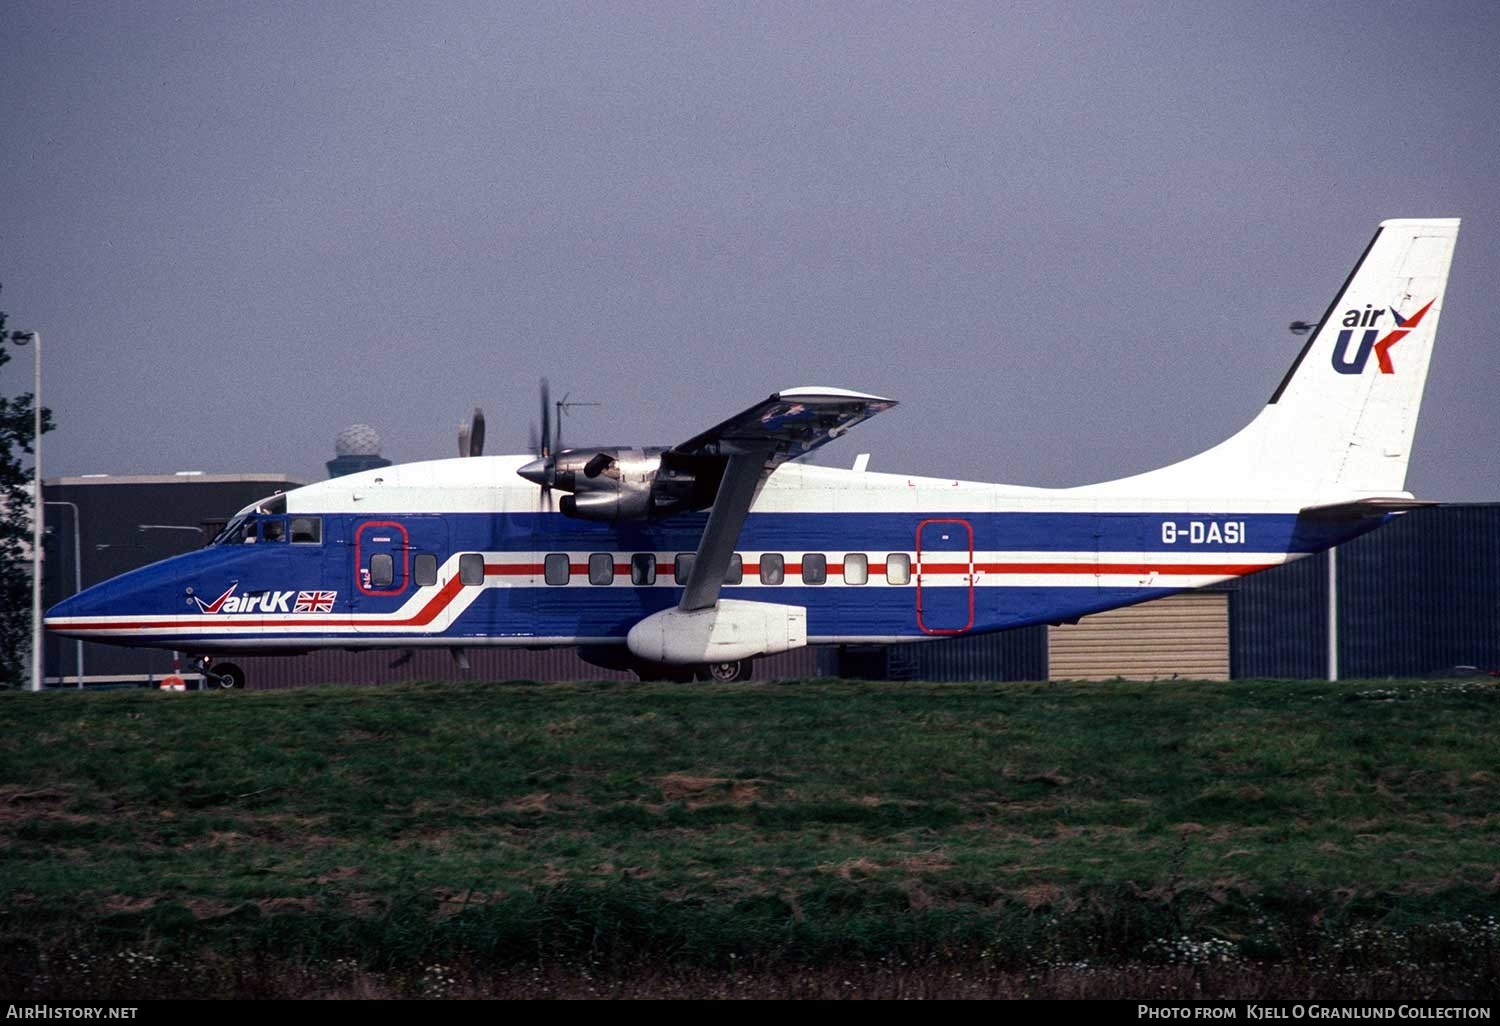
(307, 530)
(601, 568)
(424, 567)
(382, 570)
(471, 568)
(772, 568)
(556, 569)
(856, 568)
(682, 566)
(814, 568)
(736, 572)
(898, 568)
(643, 568)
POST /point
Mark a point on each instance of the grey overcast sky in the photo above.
(1068, 237)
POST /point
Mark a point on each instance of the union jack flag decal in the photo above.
(315, 601)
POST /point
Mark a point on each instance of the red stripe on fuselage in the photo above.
(422, 618)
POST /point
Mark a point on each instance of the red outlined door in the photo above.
(945, 576)
(382, 568)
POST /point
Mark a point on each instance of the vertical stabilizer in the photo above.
(1341, 423)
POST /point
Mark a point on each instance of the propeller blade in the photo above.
(476, 433)
(471, 435)
(546, 421)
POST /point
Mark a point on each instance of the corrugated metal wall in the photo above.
(1178, 636)
(487, 664)
(1278, 621)
(1019, 654)
(1422, 594)
(1418, 595)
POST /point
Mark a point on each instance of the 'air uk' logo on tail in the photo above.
(1344, 363)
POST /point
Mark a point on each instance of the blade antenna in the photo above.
(563, 406)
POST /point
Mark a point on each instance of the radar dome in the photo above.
(357, 440)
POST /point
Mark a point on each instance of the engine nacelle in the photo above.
(607, 484)
(627, 484)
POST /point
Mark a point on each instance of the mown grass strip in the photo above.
(799, 821)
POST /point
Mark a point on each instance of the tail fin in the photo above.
(1340, 425)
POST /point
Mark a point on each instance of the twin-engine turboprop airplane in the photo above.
(697, 558)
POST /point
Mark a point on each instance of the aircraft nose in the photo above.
(78, 616)
(58, 619)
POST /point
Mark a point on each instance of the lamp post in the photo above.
(20, 338)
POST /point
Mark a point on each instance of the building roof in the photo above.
(182, 477)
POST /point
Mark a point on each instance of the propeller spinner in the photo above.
(542, 471)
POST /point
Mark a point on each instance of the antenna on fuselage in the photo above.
(563, 406)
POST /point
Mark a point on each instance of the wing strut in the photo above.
(716, 548)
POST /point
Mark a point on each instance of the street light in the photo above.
(143, 528)
(20, 338)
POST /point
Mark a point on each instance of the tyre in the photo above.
(725, 673)
(227, 675)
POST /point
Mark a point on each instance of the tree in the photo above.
(17, 430)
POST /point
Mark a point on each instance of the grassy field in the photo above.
(1113, 839)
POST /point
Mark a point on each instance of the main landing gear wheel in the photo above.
(226, 675)
(725, 673)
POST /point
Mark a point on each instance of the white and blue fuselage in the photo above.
(389, 557)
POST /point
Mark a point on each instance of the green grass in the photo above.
(791, 823)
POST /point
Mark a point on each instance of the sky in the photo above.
(1069, 238)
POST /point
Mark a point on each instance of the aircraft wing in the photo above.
(781, 427)
(786, 424)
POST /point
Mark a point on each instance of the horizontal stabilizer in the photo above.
(1361, 509)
